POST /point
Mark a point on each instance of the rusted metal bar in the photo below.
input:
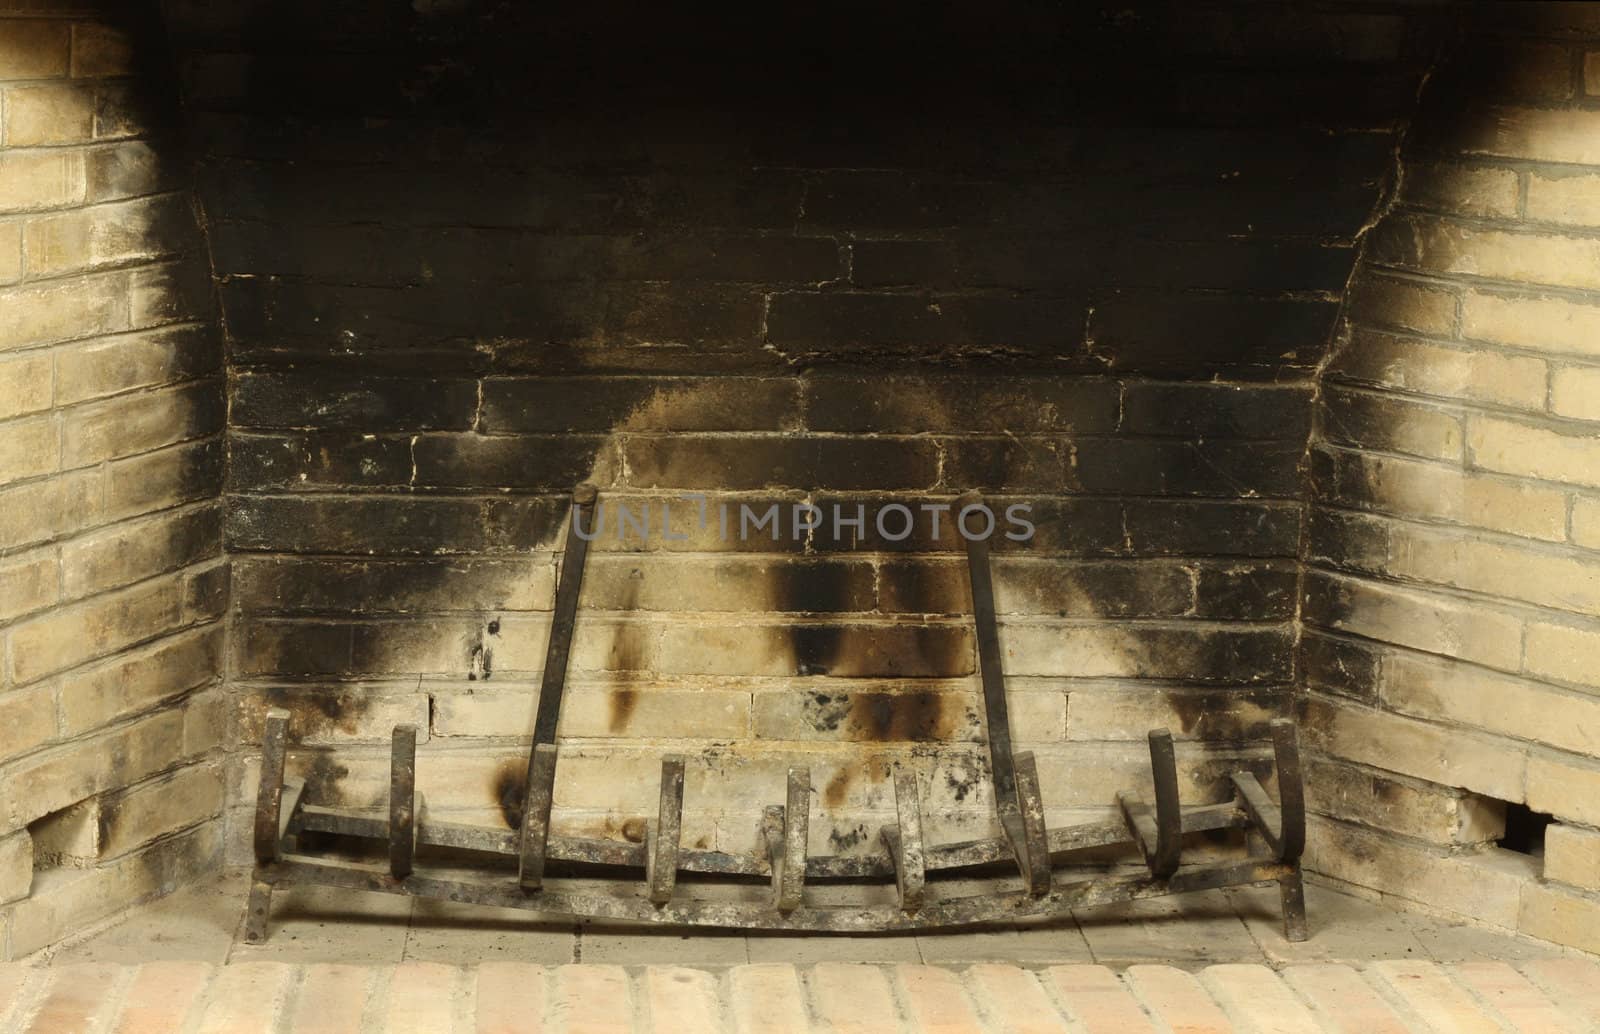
(1030, 842)
(1159, 836)
(997, 717)
(790, 871)
(941, 857)
(269, 793)
(1281, 826)
(536, 816)
(402, 799)
(904, 841)
(663, 836)
(1292, 895)
(552, 683)
(628, 906)
(257, 910)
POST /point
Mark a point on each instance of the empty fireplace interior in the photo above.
(1276, 324)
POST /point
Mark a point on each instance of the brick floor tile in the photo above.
(246, 998)
(1014, 1000)
(161, 997)
(1513, 996)
(19, 983)
(936, 1001)
(1575, 983)
(331, 999)
(422, 998)
(1177, 999)
(683, 1001)
(853, 999)
(1344, 1001)
(766, 999)
(511, 998)
(76, 997)
(1097, 1000)
(1437, 1000)
(1256, 998)
(591, 1000)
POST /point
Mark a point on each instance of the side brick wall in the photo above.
(112, 580)
(1451, 647)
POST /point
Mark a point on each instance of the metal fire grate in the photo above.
(1049, 884)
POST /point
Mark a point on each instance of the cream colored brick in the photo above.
(33, 49)
(131, 424)
(29, 448)
(55, 114)
(343, 712)
(167, 477)
(1425, 309)
(1368, 797)
(16, 866)
(619, 709)
(31, 180)
(1575, 392)
(43, 510)
(148, 359)
(1496, 569)
(1586, 522)
(1463, 189)
(1414, 488)
(72, 635)
(25, 385)
(10, 252)
(71, 772)
(1569, 790)
(1431, 622)
(27, 720)
(108, 234)
(1528, 451)
(1564, 652)
(1485, 887)
(1437, 753)
(158, 808)
(1522, 256)
(1568, 197)
(1454, 373)
(135, 680)
(1455, 692)
(132, 552)
(1572, 856)
(1541, 134)
(64, 901)
(28, 583)
(1555, 325)
(100, 50)
(1569, 917)
(63, 310)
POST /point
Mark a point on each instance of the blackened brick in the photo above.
(1204, 335)
(395, 525)
(639, 404)
(1222, 468)
(907, 404)
(317, 461)
(1245, 592)
(1218, 410)
(840, 325)
(686, 461)
(531, 463)
(1219, 528)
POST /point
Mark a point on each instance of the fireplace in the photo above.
(1268, 331)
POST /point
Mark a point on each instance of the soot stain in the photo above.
(960, 782)
(917, 716)
(834, 794)
(623, 702)
(820, 588)
(825, 712)
(843, 840)
(509, 791)
(817, 648)
(321, 712)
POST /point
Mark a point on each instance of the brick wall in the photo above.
(468, 257)
(112, 583)
(1450, 641)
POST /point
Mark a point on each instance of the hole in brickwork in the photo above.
(1524, 830)
(66, 839)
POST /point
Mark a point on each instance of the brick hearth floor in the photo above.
(371, 963)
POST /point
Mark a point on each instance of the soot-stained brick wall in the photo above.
(1452, 583)
(112, 576)
(469, 255)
